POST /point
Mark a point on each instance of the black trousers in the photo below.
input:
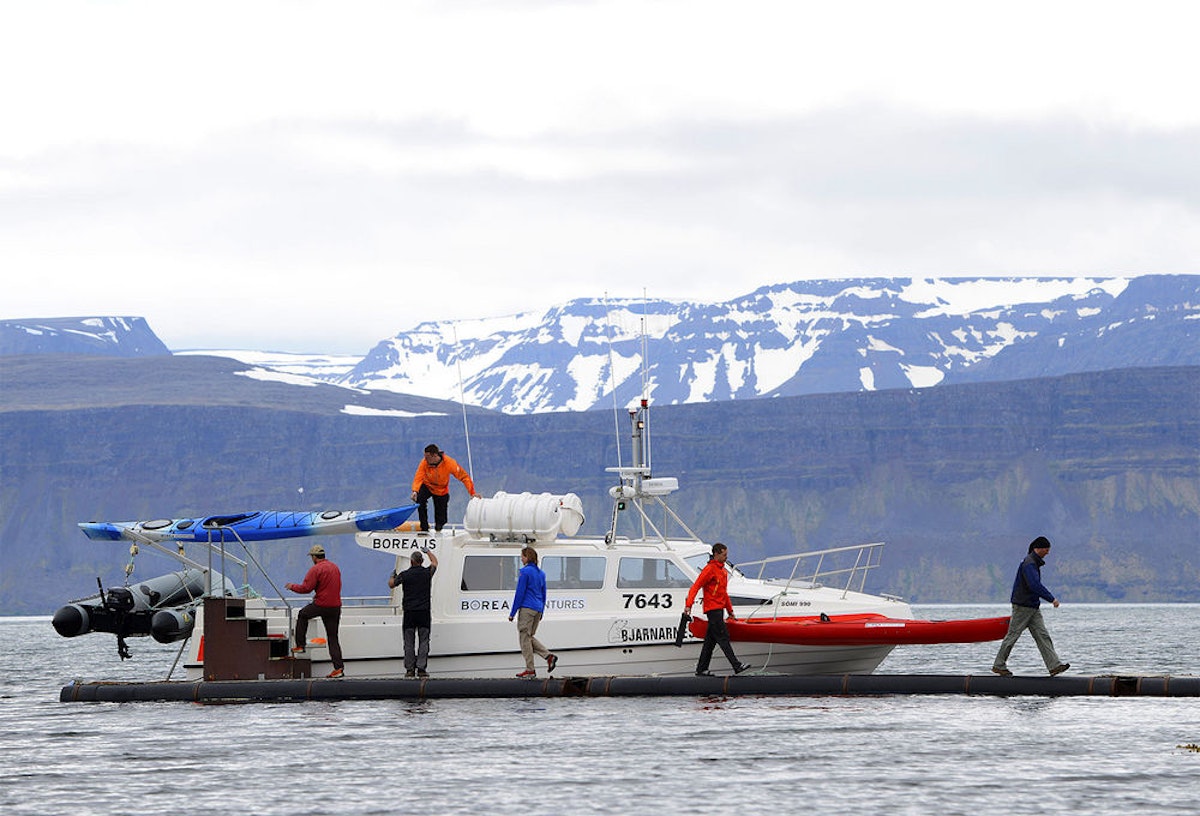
(441, 508)
(717, 634)
(331, 616)
(414, 627)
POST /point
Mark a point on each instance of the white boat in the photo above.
(614, 601)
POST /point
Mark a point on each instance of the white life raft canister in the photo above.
(508, 516)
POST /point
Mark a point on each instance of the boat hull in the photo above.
(857, 630)
(487, 646)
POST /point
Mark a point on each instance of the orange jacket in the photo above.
(714, 580)
(437, 477)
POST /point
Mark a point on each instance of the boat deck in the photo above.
(348, 688)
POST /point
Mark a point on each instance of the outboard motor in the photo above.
(109, 612)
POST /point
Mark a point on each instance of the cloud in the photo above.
(319, 176)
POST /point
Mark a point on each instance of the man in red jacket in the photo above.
(714, 580)
(325, 579)
(432, 480)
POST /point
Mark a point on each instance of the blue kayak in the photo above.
(261, 525)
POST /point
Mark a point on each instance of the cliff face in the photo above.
(956, 479)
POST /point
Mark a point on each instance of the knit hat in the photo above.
(1041, 542)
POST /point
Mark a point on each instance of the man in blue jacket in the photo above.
(1027, 595)
(528, 604)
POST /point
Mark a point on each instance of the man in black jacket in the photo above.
(416, 582)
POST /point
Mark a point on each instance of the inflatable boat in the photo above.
(856, 630)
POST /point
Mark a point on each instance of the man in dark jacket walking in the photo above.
(1027, 595)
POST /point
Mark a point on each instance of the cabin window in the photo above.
(574, 572)
(489, 573)
(650, 573)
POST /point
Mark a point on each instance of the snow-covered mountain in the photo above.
(107, 336)
(799, 338)
(790, 339)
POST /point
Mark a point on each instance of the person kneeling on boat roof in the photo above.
(1027, 593)
(416, 581)
(432, 480)
(714, 581)
(528, 604)
(325, 580)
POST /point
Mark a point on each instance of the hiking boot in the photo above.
(1060, 668)
(528, 674)
(551, 662)
(410, 673)
(422, 673)
(335, 673)
(1001, 672)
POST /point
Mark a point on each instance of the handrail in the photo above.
(347, 600)
(867, 558)
(246, 583)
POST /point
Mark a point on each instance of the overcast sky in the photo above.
(316, 176)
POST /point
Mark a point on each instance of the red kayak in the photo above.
(857, 630)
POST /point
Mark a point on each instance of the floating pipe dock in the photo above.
(835, 685)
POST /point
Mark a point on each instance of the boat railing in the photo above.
(218, 547)
(846, 568)
(347, 600)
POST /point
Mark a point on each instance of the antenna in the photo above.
(612, 379)
(462, 398)
(646, 381)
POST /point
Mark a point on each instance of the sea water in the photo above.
(941, 755)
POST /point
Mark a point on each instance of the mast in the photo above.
(637, 487)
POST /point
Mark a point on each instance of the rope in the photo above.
(133, 551)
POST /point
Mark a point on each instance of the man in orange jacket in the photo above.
(714, 580)
(432, 480)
